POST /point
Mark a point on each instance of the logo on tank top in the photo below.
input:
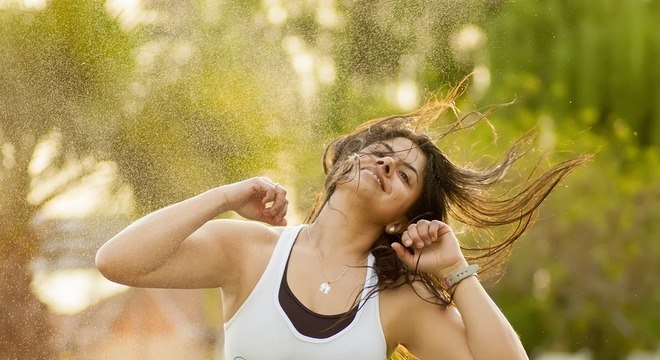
(239, 358)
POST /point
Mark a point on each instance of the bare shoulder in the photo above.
(249, 246)
(242, 233)
(407, 301)
(243, 242)
(246, 245)
(413, 316)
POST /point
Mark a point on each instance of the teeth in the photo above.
(374, 176)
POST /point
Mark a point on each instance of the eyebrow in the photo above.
(405, 163)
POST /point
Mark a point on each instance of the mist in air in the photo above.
(113, 109)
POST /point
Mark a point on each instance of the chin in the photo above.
(361, 196)
(362, 187)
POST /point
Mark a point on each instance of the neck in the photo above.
(341, 236)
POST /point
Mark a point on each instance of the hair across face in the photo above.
(472, 197)
(386, 177)
(383, 139)
(379, 139)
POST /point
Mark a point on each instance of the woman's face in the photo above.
(390, 178)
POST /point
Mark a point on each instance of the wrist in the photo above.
(457, 276)
(448, 270)
(218, 197)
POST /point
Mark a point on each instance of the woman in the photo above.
(376, 266)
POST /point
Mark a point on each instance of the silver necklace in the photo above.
(325, 287)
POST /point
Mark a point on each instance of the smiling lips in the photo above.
(376, 175)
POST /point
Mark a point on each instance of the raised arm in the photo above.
(180, 246)
(478, 330)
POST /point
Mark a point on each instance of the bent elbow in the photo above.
(106, 266)
(102, 263)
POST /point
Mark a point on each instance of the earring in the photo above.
(391, 229)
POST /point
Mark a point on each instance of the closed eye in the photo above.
(404, 176)
(390, 151)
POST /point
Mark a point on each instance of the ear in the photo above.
(396, 226)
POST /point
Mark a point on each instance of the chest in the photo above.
(261, 328)
(305, 275)
(324, 288)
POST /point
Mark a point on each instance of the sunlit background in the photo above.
(112, 109)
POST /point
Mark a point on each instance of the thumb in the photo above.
(403, 254)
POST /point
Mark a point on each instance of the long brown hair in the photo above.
(450, 192)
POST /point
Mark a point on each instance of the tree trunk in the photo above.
(25, 324)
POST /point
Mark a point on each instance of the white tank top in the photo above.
(260, 329)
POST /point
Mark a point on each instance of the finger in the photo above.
(403, 254)
(278, 215)
(269, 188)
(443, 229)
(423, 231)
(417, 242)
(281, 211)
(269, 197)
(280, 202)
(434, 227)
(405, 239)
(275, 214)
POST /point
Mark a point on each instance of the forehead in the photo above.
(405, 149)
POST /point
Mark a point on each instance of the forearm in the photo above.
(147, 243)
(489, 334)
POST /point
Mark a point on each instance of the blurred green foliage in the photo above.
(587, 75)
(201, 93)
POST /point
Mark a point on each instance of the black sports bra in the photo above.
(306, 321)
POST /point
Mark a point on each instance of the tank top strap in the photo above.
(372, 277)
(260, 329)
(283, 248)
(281, 251)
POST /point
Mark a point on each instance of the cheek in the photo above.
(410, 200)
(402, 203)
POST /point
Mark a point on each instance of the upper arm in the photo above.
(433, 331)
(213, 256)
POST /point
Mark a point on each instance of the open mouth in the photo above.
(375, 175)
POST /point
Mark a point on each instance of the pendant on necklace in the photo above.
(325, 288)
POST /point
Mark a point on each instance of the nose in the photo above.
(386, 163)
